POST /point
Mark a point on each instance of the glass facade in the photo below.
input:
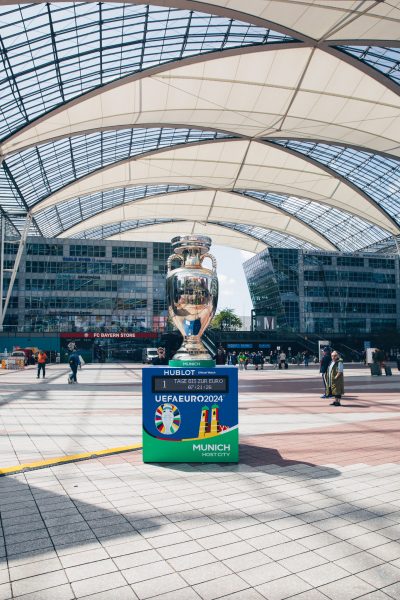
(71, 285)
(320, 292)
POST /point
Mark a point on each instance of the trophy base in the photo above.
(192, 353)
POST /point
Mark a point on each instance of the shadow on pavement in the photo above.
(102, 507)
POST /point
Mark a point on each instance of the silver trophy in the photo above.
(192, 293)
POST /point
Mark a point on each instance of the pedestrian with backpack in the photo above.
(74, 362)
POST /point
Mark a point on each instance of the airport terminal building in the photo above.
(324, 292)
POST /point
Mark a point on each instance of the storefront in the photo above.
(107, 347)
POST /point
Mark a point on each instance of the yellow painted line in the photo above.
(51, 462)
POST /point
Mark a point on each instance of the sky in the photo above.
(233, 290)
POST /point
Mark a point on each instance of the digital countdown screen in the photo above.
(190, 384)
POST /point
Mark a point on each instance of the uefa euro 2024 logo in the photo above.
(167, 419)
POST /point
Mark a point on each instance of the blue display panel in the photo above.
(190, 414)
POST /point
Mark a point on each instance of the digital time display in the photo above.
(190, 384)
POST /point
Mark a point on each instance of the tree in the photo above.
(226, 320)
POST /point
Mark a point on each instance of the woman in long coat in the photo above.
(335, 379)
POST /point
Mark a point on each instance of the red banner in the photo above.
(111, 335)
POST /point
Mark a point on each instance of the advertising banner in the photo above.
(190, 414)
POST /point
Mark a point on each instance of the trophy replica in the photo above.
(192, 293)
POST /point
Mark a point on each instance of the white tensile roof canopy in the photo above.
(268, 125)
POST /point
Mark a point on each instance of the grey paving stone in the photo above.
(302, 531)
(359, 562)
(27, 547)
(337, 551)
(309, 595)
(349, 531)
(393, 590)
(232, 550)
(182, 549)
(91, 569)
(138, 558)
(253, 531)
(378, 595)
(264, 573)
(35, 568)
(347, 588)
(5, 591)
(319, 541)
(381, 576)
(38, 582)
(186, 593)
(387, 552)
(81, 558)
(247, 561)
(268, 540)
(323, 574)
(121, 593)
(93, 585)
(218, 540)
(27, 536)
(220, 587)
(167, 540)
(284, 550)
(147, 571)
(369, 540)
(166, 583)
(61, 592)
(190, 561)
(283, 587)
(119, 549)
(206, 572)
(302, 562)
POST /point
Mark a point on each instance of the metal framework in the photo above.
(53, 53)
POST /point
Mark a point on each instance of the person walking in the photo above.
(41, 364)
(220, 359)
(282, 359)
(74, 363)
(323, 368)
(335, 379)
(306, 358)
(242, 359)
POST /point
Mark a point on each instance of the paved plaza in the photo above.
(311, 512)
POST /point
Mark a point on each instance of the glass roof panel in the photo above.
(43, 170)
(106, 231)
(51, 53)
(385, 60)
(57, 219)
(269, 237)
(348, 232)
(376, 175)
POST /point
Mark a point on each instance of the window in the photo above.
(317, 260)
(350, 261)
(44, 249)
(128, 252)
(90, 251)
(381, 263)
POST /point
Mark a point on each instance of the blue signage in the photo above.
(190, 414)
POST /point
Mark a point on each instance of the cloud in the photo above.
(227, 285)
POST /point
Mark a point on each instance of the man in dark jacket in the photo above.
(323, 368)
(161, 358)
(74, 362)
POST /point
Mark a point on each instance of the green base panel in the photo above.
(192, 363)
(222, 448)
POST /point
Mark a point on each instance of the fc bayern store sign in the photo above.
(110, 335)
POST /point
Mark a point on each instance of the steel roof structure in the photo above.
(273, 123)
